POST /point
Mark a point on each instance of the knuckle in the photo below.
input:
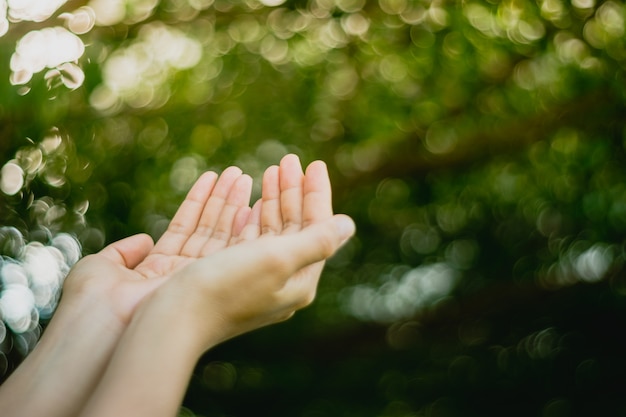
(305, 300)
(285, 316)
(291, 225)
(277, 263)
(203, 230)
(268, 229)
(327, 243)
(177, 227)
(220, 234)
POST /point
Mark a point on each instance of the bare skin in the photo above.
(221, 269)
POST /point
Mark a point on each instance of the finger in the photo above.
(241, 219)
(276, 258)
(316, 242)
(309, 250)
(253, 280)
(317, 201)
(238, 197)
(271, 218)
(252, 228)
(129, 252)
(187, 216)
(211, 212)
(290, 181)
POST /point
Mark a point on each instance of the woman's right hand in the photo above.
(274, 265)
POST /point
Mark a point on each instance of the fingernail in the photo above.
(345, 225)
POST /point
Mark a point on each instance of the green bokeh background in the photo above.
(479, 146)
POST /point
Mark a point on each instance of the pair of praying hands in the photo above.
(221, 269)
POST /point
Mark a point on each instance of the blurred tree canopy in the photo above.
(479, 144)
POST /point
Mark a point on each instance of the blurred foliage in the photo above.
(480, 146)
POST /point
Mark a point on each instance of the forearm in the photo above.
(58, 377)
(245, 287)
(151, 367)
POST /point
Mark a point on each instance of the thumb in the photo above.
(345, 227)
(319, 241)
(278, 256)
(130, 251)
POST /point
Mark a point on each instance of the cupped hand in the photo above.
(122, 274)
(274, 266)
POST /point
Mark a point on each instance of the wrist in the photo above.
(160, 332)
(85, 319)
(67, 362)
(182, 316)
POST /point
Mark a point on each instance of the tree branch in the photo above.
(409, 158)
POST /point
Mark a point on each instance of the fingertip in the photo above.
(317, 193)
(290, 157)
(244, 182)
(345, 226)
(203, 186)
(207, 176)
(317, 166)
(271, 168)
(140, 240)
(129, 251)
(290, 160)
(316, 175)
(227, 180)
(232, 169)
(145, 238)
(319, 241)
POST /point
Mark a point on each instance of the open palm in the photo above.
(125, 272)
(272, 266)
(214, 215)
(221, 269)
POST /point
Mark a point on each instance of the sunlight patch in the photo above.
(31, 278)
(400, 298)
(33, 10)
(53, 48)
